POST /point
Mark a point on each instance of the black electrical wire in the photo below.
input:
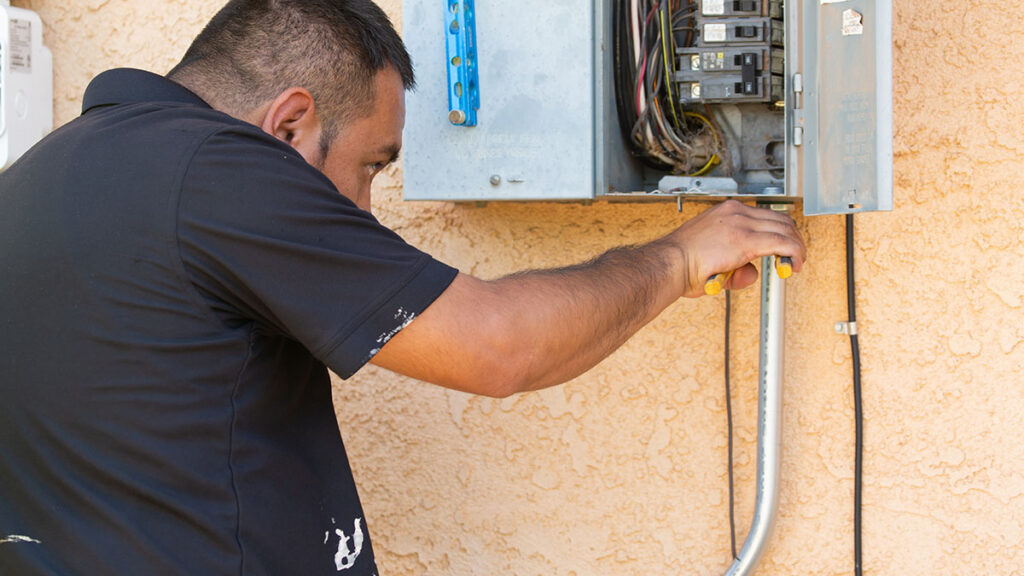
(627, 84)
(623, 65)
(728, 417)
(652, 119)
(858, 408)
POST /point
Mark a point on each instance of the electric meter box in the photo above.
(517, 101)
(26, 83)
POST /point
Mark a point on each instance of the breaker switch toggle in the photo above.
(748, 83)
(746, 31)
(744, 6)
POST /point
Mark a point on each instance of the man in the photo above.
(182, 261)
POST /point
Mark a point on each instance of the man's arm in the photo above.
(536, 329)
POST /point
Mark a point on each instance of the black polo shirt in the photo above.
(173, 282)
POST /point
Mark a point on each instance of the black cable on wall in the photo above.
(728, 417)
(858, 409)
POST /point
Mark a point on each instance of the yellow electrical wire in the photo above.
(714, 135)
(668, 76)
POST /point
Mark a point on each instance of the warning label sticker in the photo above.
(21, 45)
(714, 7)
(853, 23)
(715, 33)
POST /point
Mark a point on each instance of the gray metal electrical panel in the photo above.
(518, 101)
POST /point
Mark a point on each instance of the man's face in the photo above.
(366, 146)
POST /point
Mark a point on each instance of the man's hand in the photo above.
(540, 328)
(730, 236)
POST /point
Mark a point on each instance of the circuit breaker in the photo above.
(732, 51)
(646, 100)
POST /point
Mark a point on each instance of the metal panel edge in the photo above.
(883, 87)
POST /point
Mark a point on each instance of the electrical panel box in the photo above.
(639, 99)
(26, 83)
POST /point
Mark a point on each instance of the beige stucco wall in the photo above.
(623, 471)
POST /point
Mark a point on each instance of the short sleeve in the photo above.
(266, 238)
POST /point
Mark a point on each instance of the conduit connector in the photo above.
(847, 328)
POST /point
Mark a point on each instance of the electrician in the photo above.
(184, 262)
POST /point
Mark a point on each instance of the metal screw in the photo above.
(457, 117)
(495, 180)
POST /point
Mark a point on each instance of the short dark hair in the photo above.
(252, 50)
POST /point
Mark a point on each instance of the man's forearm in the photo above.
(540, 328)
(571, 318)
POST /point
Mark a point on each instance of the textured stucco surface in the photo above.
(623, 471)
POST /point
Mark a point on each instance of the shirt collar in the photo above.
(124, 85)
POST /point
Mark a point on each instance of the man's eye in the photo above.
(376, 167)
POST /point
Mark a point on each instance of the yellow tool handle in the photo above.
(784, 266)
(716, 283)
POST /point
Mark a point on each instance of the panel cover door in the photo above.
(845, 109)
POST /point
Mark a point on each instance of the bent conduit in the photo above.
(769, 425)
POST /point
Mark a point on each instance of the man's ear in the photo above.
(292, 119)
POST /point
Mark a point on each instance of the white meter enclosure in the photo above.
(26, 83)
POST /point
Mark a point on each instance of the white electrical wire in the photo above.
(638, 55)
(636, 20)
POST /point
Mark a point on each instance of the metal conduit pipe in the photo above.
(769, 426)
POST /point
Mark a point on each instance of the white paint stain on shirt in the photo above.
(404, 318)
(18, 539)
(347, 554)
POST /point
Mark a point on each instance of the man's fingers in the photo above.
(763, 233)
(732, 235)
(744, 276)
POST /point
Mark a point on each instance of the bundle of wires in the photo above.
(660, 131)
